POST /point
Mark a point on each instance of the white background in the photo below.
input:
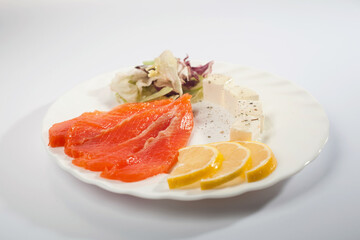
(47, 47)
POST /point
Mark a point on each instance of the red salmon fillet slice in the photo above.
(126, 129)
(89, 127)
(117, 153)
(59, 132)
(131, 142)
(159, 155)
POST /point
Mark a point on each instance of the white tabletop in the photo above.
(47, 47)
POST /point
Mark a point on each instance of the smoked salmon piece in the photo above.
(119, 154)
(88, 127)
(159, 155)
(129, 143)
(126, 129)
(58, 132)
(99, 159)
(89, 124)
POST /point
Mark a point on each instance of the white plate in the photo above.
(296, 129)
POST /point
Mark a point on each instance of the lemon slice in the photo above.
(236, 161)
(194, 162)
(263, 161)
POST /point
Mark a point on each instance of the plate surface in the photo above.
(296, 128)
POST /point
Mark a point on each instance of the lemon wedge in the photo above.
(236, 161)
(262, 158)
(194, 163)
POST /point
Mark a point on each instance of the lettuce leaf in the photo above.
(166, 66)
(165, 77)
(157, 95)
(125, 85)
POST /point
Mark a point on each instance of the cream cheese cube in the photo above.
(246, 128)
(233, 93)
(213, 88)
(242, 101)
(239, 92)
(249, 107)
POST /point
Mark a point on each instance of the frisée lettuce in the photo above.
(164, 77)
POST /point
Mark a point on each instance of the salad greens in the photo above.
(164, 77)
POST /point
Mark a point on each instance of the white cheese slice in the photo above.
(240, 92)
(243, 103)
(213, 88)
(233, 93)
(246, 128)
(241, 100)
(249, 107)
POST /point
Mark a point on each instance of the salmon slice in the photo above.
(89, 127)
(97, 120)
(126, 129)
(129, 143)
(118, 153)
(157, 156)
(58, 132)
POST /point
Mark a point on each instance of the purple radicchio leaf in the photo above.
(195, 72)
